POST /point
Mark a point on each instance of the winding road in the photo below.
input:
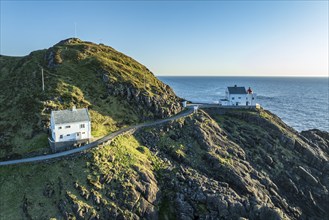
(97, 142)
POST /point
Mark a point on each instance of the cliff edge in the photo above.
(214, 164)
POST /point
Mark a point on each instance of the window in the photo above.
(60, 136)
(253, 98)
(78, 134)
(83, 132)
(232, 98)
(82, 126)
(59, 128)
(68, 135)
(239, 98)
(67, 126)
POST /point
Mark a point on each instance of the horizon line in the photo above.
(284, 76)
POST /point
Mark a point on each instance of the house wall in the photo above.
(65, 145)
(71, 133)
(240, 99)
(237, 99)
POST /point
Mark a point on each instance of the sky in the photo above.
(224, 38)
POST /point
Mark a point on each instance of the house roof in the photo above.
(69, 116)
(237, 90)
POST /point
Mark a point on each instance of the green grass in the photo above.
(224, 161)
(76, 80)
(29, 180)
(70, 176)
(241, 130)
(38, 143)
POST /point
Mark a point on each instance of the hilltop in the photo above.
(117, 90)
(214, 164)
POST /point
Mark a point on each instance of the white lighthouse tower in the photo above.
(251, 98)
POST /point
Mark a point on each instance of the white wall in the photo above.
(241, 99)
(252, 99)
(72, 131)
(237, 98)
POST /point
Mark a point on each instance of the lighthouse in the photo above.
(251, 97)
(239, 96)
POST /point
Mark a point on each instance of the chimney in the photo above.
(74, 109)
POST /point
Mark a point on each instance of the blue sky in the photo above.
(261, 38)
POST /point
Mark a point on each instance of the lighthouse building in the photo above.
(239, 96)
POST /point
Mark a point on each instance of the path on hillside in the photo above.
(97, 142)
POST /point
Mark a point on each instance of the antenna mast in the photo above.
(43, 81)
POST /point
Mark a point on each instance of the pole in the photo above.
(43, 81)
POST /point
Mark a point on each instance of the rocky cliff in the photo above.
(232, 164)
(214, 164)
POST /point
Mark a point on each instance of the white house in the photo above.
(69, 127)
(239, 96)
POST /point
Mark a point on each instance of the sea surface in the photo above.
(301, 102)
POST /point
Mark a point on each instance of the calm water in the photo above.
(303, 103)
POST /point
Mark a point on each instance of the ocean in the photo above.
(301, 102)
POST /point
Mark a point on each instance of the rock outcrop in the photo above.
(162, 105)
(247, 164)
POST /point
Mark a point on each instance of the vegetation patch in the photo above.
(76, 73)
(105, 177)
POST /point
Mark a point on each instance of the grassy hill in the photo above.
(214, 164)
(117, 90)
